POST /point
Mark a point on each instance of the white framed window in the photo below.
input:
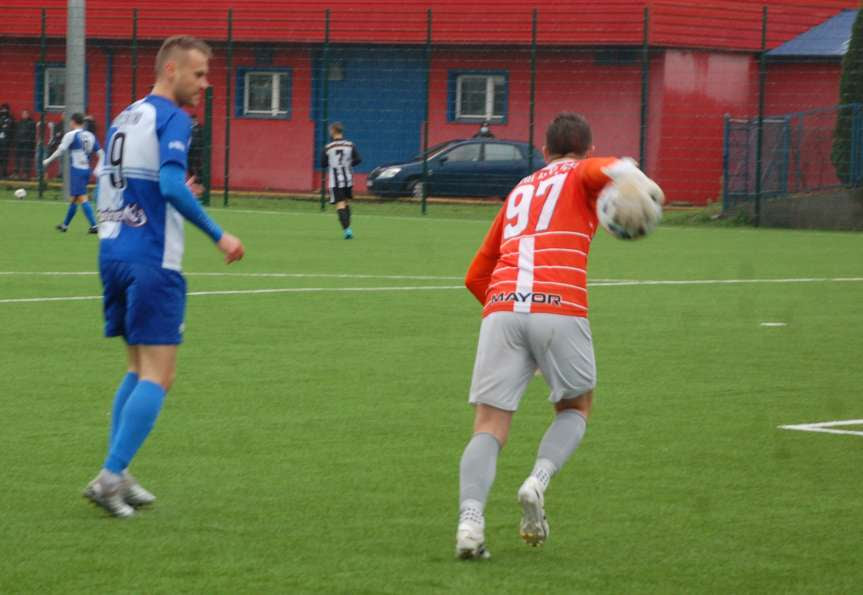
(480, 96)
(267, 94)
(55, 88)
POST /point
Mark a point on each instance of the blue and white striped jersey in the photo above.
(137, 224)
(81, 144)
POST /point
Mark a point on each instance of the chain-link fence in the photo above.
(662, 81)
(796, 153)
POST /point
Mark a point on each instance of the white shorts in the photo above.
(512, 346)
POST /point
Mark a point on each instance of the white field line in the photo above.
(79, 298)
(273, 275)
(289, 213)
(826, 427)
(599, 283)
(728, 281)
(593, 283)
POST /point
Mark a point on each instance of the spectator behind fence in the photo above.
(484, 131)
(25, 145)
(90, 125)
(7, 130)
(196, 149)
(55, 137)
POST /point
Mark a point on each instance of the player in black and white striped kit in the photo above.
(339, 157)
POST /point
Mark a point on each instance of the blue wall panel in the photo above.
(380, 99)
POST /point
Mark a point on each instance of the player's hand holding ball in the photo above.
(630, 206)
(231, 247)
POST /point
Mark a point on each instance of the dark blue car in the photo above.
(474, 167)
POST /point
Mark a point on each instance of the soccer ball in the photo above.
(20, 193)
(631, 205)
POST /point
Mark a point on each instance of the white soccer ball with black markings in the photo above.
(630, 206)
(20, 194)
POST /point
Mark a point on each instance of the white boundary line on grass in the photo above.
(79, 298)
(293, 213)
(608, 283)
(274, 275)
(826, 427)
(601, 283)
(594, 283)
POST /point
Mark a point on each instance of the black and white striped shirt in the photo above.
(340, 156)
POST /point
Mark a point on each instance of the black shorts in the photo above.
(340, 194)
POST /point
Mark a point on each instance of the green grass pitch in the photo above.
(311, 441)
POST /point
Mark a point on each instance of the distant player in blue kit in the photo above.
(81, 144)
(143, 199)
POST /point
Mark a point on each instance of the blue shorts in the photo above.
(78, 179)
(143, 304)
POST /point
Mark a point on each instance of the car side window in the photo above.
(501, 152)
(469, 152)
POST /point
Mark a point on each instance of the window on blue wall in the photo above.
(480, 97)
(267, 94)
(54, 88)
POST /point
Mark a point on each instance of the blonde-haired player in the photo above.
(143, 200)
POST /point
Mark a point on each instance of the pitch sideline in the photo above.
(597, 283)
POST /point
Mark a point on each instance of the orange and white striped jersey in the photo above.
(534, 256)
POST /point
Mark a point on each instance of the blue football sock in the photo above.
(73, 208)
(136, 420)
(120, 397)
(88, 212)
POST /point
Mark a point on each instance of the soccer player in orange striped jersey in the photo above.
(530, 275)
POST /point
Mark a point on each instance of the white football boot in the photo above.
(534, 526)
(134, 493)
(108, 493)
(470, 542)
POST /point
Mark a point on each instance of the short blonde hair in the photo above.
(180, 42)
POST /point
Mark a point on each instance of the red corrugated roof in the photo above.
(722, 24)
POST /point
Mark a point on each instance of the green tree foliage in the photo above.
(850, 91)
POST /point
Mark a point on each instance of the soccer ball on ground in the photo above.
(20, 193)
(630, 206)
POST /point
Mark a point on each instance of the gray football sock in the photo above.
(560, 441)
(477, 468)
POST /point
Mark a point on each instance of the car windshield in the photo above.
(433, 151)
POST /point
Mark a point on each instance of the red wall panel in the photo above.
(796, 86)
(697, 89)
(609, 96)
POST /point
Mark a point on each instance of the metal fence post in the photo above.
(726, 136)
(532, 115)
(134, 55)
(759, 139)
(228, 105)
(425, 182)
(645, 91)
(109, 85)
(856, 153)
(207, 165)
(76, 59)
(40, 147)
(325, 91)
